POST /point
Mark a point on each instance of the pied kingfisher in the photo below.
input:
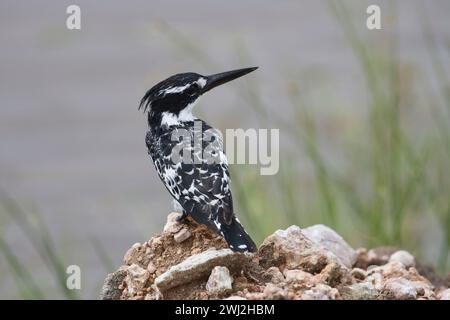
(201, 186)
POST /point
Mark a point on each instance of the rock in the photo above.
(189, 261)
(136, 278)
(182, 235)
(376, 279)
(274, 275)
(397, 269)
(110, 289)
(444, 295)
(273, 292)
(291, 249)
(254, 296)
(334, 274)
(220, 281)
(377, 257)
(328, 238)
(360, 291)
(389, 270)
(151, 268)
(403, 257)
(172, 225)
(297, 276)
(198, 266)
(402, 289)
(358, 273)
(320, 292)
(396, 282)
(132, 254)
(155, 241)
(153, 294)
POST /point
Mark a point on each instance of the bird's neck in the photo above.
(169, 118)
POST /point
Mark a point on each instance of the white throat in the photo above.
(185, 115)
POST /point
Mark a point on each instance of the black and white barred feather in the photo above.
(202, 187)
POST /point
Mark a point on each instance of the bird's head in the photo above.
(171, 100)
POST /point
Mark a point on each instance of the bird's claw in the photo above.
(182, 218)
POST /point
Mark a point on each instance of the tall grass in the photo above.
(33, 227)
(441, 116)
(36, 232)
(393, 178)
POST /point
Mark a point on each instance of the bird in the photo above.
(200, 188)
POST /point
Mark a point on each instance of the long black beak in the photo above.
(217, 79)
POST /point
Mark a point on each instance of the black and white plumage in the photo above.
(200, 186)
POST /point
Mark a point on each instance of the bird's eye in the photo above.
(193, 89)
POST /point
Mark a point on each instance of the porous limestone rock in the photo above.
(220, 281)
(198, 266)
(328, 238)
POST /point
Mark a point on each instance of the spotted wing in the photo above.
(201, 186)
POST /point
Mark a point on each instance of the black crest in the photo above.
(178, 91)
(173, 94)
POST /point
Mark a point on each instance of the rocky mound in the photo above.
(187, 261)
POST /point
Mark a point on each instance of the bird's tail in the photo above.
(237, 238)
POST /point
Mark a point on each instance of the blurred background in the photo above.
(364, 119)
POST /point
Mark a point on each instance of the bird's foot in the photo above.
(182, 218)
